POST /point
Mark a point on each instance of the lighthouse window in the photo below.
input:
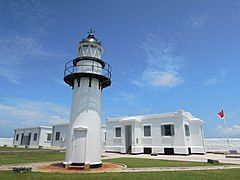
(147, 131)
(118, 132)
(187, 132)
(57, 137)
(167, 130)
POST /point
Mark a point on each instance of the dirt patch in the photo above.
(59, 168)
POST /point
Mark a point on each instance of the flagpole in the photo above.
(226, 132)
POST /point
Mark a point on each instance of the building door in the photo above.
(128, 138)
(79, 148)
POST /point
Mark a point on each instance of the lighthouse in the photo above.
(88, 75)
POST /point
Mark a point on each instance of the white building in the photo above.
(169, 133)
(59, 134)
(103, 137)
(33, 137)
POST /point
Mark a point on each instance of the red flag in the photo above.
(221, 114)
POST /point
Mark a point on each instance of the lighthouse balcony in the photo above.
(87, 68)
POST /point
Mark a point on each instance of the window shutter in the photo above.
(172, 130)
(162, 130)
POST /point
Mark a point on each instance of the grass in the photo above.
(23, 155)
(20, 149)
(30, 157)
(140, 162)
(195, 175)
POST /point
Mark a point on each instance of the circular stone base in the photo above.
(59, 168)
(82, 164)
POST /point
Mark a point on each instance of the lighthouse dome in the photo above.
(91, 38)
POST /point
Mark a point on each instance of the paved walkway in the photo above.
(127, 170)
(161, 169)
(195, 158)
(32, 165)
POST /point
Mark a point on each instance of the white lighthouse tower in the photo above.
(88, 74)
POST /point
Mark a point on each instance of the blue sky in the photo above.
(165, 55)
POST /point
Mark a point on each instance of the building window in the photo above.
(147, 131)
(118, 132)
(187, 133)
(167, 130)
(49, 136)
(105, 136)
(35, 136)
(17, 136)
(57, 136)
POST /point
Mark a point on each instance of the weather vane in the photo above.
(91, 31)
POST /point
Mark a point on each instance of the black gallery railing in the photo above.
(94, 68)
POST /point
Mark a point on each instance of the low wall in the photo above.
(6, 141)
(220, 144)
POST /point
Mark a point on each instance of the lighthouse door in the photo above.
(79, 148)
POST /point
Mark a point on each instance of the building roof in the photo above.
(44, 127)
(66, 124)
(61, 124)
(139, 118)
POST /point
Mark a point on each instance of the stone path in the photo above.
(194, 158)
(32, 165)
(147, 169)
(161, 169)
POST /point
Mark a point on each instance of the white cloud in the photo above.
(215, 79)
(233, 131)
(196, 21)
(23, 113)
(159, 78)
(164, 65)
(22, 42)
(124, 97)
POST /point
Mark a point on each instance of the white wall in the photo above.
(113, 143)
(220, 144)
(6, 141)
(63, 133)
(102, 138)
(43, 137)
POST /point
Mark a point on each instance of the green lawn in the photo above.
(140, 162)
(29, 157)
(20, 149)
(195, 175)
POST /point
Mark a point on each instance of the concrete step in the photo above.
(233, 156)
